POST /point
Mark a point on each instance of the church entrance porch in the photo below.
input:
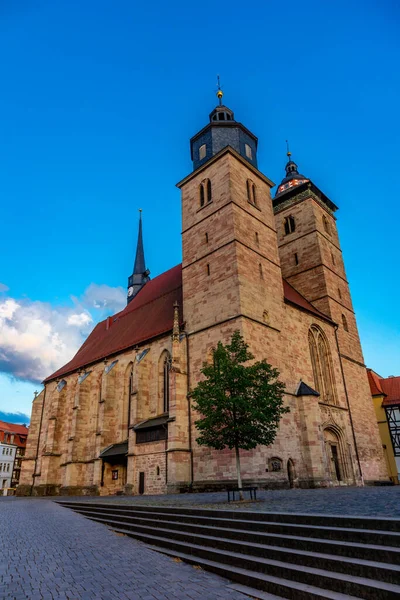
(337, 457)
(114, 469)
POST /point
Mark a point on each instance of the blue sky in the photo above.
(98, 101)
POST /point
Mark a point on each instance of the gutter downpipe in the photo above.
(348, 406)
(38, 442)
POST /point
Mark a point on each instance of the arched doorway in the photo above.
(334, 452)
(291, 471)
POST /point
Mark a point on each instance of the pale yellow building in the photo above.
(386, 398)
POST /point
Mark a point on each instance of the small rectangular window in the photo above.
(206, 238)
(208, 269)
(248, 151)
(296, 258)
(202, 152)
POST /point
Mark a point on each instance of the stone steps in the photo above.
(264, 552)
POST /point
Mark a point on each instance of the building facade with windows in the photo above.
(7, 458)
(11, 433)
(118, 417)
(386, 398)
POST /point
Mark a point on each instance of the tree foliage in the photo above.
(240, 404)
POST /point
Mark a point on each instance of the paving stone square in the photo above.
(51, 553)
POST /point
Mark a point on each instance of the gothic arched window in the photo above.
(163, 374)
(251, 192)
(205, 191)
(289, 225)
(326, 225)
(345, 325)
(201, 191)
(209, 194)
(130, 397)
(321, 364)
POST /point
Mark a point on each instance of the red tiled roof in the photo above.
(388, 387)
(391, 387)
(294, 297)
(149, 315)
(12, 428)
(375, 383)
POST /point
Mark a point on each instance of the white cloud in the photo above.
(80, 319)
(36, 338)
(4, 287)
(104, 297)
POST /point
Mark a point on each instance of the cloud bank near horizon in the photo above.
(37, 338)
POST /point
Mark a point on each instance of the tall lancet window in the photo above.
(205, 192)
(321, 361)
(166, 384)
(164, 367)
(130, 397)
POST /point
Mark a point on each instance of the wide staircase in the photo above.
(269, 555)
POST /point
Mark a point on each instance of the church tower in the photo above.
(140, 274)
(312, 262)
(230, 267)
(310, 253)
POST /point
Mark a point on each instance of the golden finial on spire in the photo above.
(288, 153)
(220, 93)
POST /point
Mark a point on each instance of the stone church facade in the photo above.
(118, 417)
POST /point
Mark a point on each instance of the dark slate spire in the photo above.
(140, 274)
(140, 263)
(293, 177)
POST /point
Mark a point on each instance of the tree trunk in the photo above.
(239, 477)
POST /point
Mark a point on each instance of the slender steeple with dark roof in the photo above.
(140, 274)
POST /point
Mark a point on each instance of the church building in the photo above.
(118, 417)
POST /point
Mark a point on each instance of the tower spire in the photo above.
(220, 93)
(140, 265)
(140, 274)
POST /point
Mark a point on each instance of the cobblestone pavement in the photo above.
(50, 553)
(379, 501)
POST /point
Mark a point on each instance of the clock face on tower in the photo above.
(130, 292)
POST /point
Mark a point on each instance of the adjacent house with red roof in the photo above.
(16, 436)
(386, 398)
(117, 418)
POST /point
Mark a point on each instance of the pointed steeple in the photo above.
(140, 265)
(140, 274)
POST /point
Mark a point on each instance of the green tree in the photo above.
(240, 404)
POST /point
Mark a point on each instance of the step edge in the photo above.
(376, 547)
(294, 551)
(324, 528)
(354, 579)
